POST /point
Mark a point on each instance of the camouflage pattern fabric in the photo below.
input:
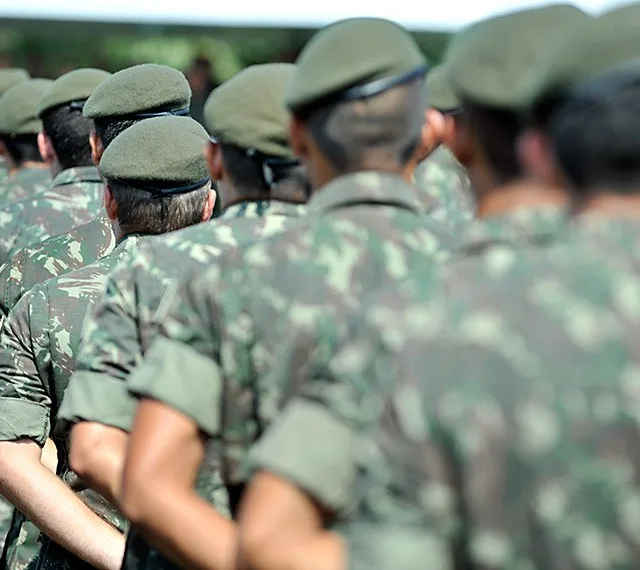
(24, 184)
(40, 339)
(445, 180)
(52, 257)
(4, 170)
(520, 453)
(222, 328)
(74, 198)
(122, 327)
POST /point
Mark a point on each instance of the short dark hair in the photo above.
(22, 148)
(108, 130)
(497, 131)
(246, 173)
(68, 130)
(595, 139)
(140, 211)
(381, 130)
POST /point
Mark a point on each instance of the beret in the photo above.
(351, 59)
(492, 62)
(163, 155)
(440, 95)
(602, 51)
(77, 85)
(139, 90)
(248, 110)
(19, 107)
(10, 76)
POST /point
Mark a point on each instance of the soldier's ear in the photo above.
(298, 138)
(213, 158)
(209, 205)
(537, 159)
(431, 134)
(97, 148)
(46, 149)
(110, 204)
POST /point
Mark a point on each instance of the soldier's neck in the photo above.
(612, 205)
(519, 194)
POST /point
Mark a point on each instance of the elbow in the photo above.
(257, 549)
(84, 453)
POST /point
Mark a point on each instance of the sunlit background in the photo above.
(209, 40)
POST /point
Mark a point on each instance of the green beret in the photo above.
(138, 90)
(248, 110)
(74, 86)
(603, 48)
(19, 107)
(10, 76)
(352, 59)
(163, 155)
(440, 95)
(492, 62)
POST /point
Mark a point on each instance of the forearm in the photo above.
(46, 501)
(100, 461)
(188, 530)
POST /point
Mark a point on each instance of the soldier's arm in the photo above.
(25, 408)
(180, 386)
(96, 400)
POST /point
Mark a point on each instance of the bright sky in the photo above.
(416, 14)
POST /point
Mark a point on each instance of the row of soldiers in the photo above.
(342, 369)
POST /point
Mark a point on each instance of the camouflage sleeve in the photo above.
(9, 229)
(109, 352)
(10, 282)
(182, 366)
(312, 443)
(25, 402)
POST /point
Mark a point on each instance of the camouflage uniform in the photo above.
(75, 197)
(40, 339)
(54, 256)
(522, 453)
(122, 326)
(362, 230)
(26, 183)
(444, 179)
(4, 170)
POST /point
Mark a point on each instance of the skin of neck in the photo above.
(608, 203)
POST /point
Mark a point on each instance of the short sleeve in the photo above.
(25, 401)
(109, 352)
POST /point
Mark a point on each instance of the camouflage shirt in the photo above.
(222, 331)
(4, 169)
(75, 197)
(40, 339)
(54, 256)
(520, 450)
(445, 180)
(24, 184)
(122, 326)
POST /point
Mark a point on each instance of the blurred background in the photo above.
(207, 41)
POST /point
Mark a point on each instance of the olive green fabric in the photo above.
(139, 89)
(11, 76)
(351, 53)
(439, 93)
(19, 107)
(162, 150)
(248, 110)
(601, 48)
(77, 85)
(492, 62)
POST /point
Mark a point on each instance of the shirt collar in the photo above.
(367, 187)
(522, 225)
(260, 208)
(77, 174)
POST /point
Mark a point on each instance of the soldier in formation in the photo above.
(409, 338)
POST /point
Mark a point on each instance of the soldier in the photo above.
(256, 173)
(523, 453)
(27, 174)
(358, 124)
(440, 175)
(75, 195)
(9, 77)
(156, 181)
(127, 97)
